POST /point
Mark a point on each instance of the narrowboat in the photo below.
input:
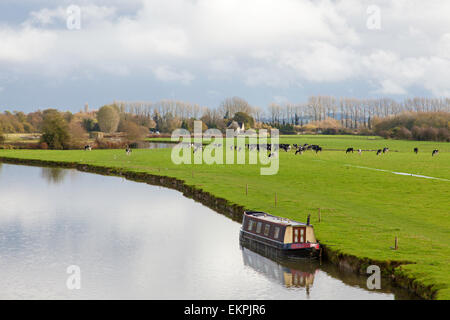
(262, 230)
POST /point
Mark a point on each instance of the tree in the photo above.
(90, 125)
(2, 137)
(168, 123)
(189, 125)
(134, 131)
(55, 131)
(230, 106)
(108, 118)
(242, 117)
(78, 135)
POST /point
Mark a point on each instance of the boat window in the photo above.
(266, 229)
(250, 225)
(277, 232)
(258, 227)
(295, 235)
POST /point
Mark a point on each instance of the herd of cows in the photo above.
(299, 149)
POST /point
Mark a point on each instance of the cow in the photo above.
(385, 150)
(379, 151)
(359, 151)
(435, 151)
(286, 147)
(315, 147)
(128, 150)
(416, 150)
(349, 150)
(87, 148)
(299, 150)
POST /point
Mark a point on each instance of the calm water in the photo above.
(136, 241)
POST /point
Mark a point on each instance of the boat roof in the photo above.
(270, 218)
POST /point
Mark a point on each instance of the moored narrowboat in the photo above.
(284, 235)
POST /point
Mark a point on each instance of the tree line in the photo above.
(417, 118)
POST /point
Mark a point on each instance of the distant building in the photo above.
(237, 127)
(96, 135)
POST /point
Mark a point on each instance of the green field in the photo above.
(363, 209)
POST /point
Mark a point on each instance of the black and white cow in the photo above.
(299, 150)
(435, 151)
(379, 151)
(385, 150)
(416, 150)
(286, 147)
(87, 148)
(349, 150)
(315, 147)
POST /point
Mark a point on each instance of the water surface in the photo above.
(137, 241)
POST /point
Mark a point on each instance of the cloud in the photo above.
(254, 42)
(90, 14)
(167, 74)
(323, 62)
(25, 45)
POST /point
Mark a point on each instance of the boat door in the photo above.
(299, 235)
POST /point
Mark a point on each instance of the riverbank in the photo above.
(351, 241)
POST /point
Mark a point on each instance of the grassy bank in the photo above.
(362, 209)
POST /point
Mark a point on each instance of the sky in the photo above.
(63, 54)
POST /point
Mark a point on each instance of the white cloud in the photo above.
(256, 42)
(322, 62)
(25, 45)
(90, 14)
(167, 74)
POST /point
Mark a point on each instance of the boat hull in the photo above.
(261, 244)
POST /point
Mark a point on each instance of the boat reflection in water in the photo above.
(296, 273)
(289, 272)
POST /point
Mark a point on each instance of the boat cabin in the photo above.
(282, 233)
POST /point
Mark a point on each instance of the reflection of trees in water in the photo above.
(54, 175)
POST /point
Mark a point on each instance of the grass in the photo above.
(362, 212)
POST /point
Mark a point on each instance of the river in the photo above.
(136, 241)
